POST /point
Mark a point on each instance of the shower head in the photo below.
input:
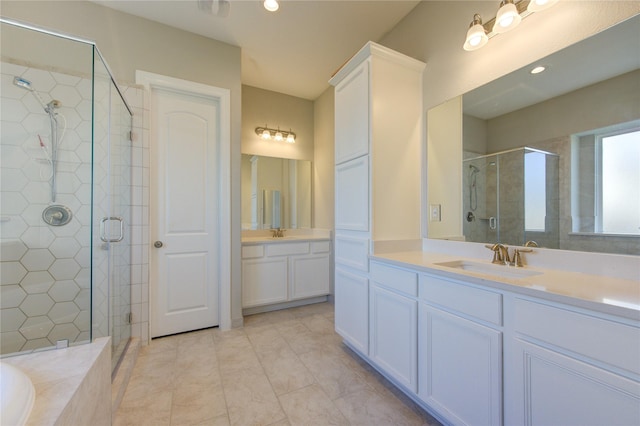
(473, 168)
(22, 83)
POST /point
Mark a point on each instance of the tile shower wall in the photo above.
(45, 294)
(45, 269)
(139, 213)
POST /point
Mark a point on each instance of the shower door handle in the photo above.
(104, 237)
(493, 223)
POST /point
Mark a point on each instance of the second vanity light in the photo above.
(276, 134)
(508, 17)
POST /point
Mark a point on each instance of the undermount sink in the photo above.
(490, 269)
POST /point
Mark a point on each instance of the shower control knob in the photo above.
(157, 244)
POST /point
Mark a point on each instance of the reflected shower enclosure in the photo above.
(512, 197)
(65, 194)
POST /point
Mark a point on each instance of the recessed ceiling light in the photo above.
(271, 5)
(538, 69)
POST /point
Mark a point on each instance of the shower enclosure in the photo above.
(512, 197)
(65, 194)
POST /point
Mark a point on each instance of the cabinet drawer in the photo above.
(285, 249)
(394, 278)
(320, 247)
(600, 339)
(250, 252)
(481, 304)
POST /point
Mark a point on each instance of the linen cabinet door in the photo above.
(352, 308)
(352, 195)
(352, 115)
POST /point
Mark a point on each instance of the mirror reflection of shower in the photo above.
(473, 188)
(56, 135)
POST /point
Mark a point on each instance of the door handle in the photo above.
(104, 237)
(158, 244)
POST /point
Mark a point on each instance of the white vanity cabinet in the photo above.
(393, 323)
(378, 124)
(460, 351)
(279, 272)
(568, 366)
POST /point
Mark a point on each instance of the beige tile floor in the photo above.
(286, 367)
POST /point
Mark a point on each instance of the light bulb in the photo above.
(266, 134)
(291, 138)
(271, 5)
(476, 36)
(279, 136)
(540, 5)
(507, 18)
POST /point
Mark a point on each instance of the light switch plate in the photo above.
(434, 213)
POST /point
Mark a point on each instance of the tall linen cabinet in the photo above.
(378, 140)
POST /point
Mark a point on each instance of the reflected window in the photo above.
(620, 191)
(535, 191)
(606, 181)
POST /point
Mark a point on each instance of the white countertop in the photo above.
(615, 296)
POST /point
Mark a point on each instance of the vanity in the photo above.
(478, 343)
(554, 342)
(286, 271)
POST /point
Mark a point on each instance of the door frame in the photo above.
(152, 81)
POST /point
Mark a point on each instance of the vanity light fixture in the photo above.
(510, 14)
(507, 18)
(476, 36)
(276, 134)
(271, 5)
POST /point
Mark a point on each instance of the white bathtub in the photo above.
(17, 396)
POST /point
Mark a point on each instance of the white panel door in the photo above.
(184, 203)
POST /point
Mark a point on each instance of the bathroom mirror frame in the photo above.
(506, 96)
(265, 180)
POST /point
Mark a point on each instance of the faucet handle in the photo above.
(517, 258)
(497, 253)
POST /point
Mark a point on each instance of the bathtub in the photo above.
(17, 395)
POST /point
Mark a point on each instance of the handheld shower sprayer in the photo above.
(26, 84)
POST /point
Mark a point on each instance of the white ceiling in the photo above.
(294, 50)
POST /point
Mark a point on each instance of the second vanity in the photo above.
(482, 344)
(290, 270)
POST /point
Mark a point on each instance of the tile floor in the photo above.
(286, 367)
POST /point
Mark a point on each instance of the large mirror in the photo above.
(276, 193)
(554, 157)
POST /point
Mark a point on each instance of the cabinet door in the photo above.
(309, 276)
(462, 374)
(352, 115)
(548, 388)
(352, 309)
(393, 321)
(352, 195)
(264, 281)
